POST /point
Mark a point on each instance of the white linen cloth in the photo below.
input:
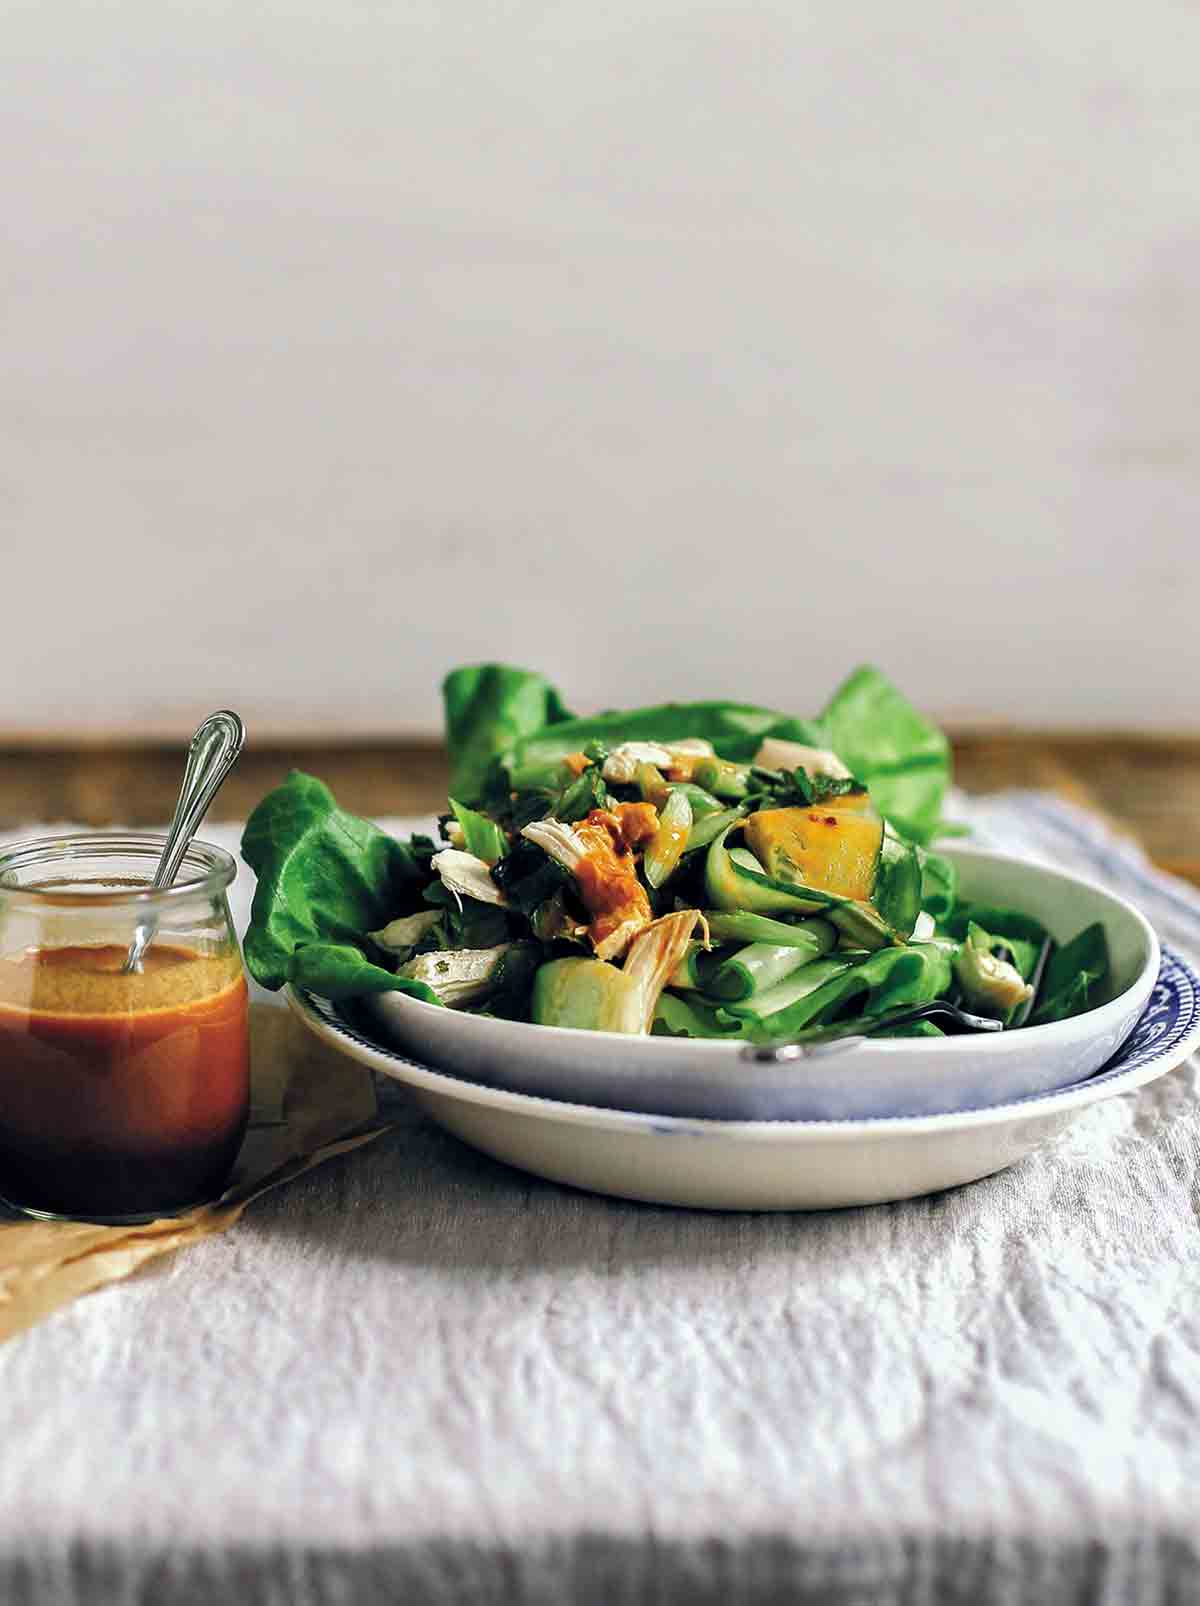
(418, 1376)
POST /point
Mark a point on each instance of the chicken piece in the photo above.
(588, 995)
(468, 876)
(678, 759)
(620, 766)
(637, 823)
(776, 754)
(685, 755)
(461, 976)
(597, 854)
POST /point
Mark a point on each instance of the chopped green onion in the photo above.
(481, 836)
(665, 851)
(703, 803)
(707, 829)
(723, 778)
(650, 784)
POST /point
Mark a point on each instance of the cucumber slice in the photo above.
(791, 993)
(734, 879)
(754, 970)
(739, 925)
(687, 973)
(706, 828)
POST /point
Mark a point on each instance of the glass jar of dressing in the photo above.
(122, 1097)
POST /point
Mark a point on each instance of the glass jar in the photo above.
(122, 1097)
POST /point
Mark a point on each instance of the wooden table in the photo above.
(1146, 785)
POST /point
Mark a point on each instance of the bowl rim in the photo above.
(998, 1044)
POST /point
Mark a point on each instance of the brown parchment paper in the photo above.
(307, 1105)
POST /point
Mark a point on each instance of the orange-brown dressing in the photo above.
(607, 876)
(120, 1095)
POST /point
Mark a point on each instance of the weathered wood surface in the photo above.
(1149, 787)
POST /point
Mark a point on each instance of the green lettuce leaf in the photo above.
(338, 971)
(874, 730)
(904, 759)
(691, 1017)
(324, 876)
(1011, 925)
(893, 976)
(489, 708)
(1077, 978)
(939, 885)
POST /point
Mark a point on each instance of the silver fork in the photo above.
(849, 1034)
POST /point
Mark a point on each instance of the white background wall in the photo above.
(669, 346)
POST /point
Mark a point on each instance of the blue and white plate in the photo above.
(773, 1165)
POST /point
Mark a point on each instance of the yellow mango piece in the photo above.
(850, 803)
(835, 850)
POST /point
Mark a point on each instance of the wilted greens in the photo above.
(705, 870)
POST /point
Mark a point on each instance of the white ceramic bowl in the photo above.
(770, 1165)
(901, 1076)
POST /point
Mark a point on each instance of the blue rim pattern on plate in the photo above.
(1170, 1017)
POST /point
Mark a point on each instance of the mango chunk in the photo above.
(835, 850)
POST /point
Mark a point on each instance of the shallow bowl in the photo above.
(873, 1078)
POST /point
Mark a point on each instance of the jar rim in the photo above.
(212, 869)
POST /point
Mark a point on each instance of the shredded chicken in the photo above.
(469, 877)
(597, 853)
(459, 976)
(656, 952)
(776, 754)
(621, 765)
(636, 823)
(676, 759)
(405, 932)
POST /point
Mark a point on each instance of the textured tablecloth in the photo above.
(419, 1376)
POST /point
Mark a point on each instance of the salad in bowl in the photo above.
(695, 871)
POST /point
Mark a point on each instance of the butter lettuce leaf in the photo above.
(693, 1017)
(489, 708)
(339, 971)
(325, 876)
(903, 758)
